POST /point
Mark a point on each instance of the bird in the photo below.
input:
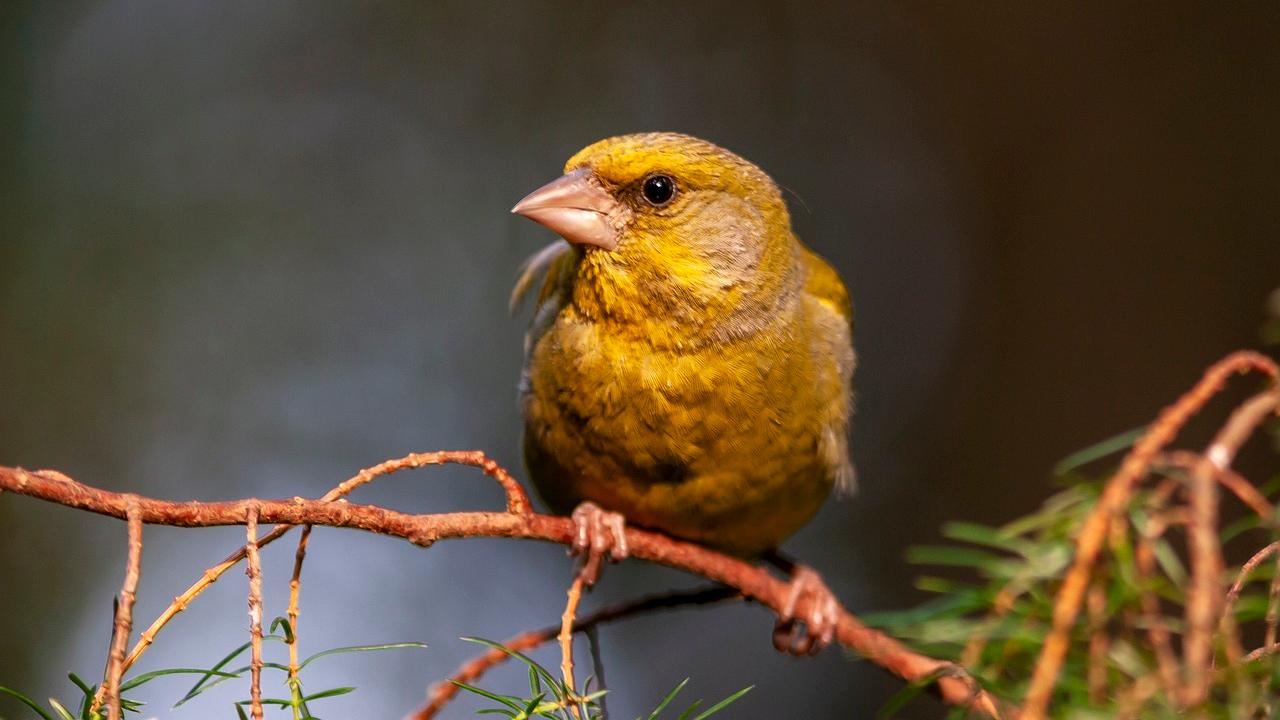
(689, 364)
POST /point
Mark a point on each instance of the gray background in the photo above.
(247, 248)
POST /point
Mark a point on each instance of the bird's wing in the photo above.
(824, 283)
(541, 263)
(835, 320)
(554, 263)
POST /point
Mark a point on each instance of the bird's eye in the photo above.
(659, 189)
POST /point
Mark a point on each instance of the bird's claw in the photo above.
(597, 533)
(809, 633)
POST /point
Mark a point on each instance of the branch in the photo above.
(253, 569)
(110, 690)
(1114, 498)
(752, 581)
(474, 669)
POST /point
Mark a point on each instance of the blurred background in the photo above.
(248, 248)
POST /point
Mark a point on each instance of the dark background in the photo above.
(248, 248)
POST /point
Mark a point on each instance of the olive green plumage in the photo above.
(696, 377)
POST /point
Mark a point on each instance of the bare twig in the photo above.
(1204, 594)
(1114, 498)
(566, 636)
(1153, 618)
(1258, 654)
(1243, 489)
(597, 668)
(1273, 615)
(1204, 599)
(472, 670)
(110, 690)
(754, 582)
(295, 584)
(1099, 643)
(1135, 697)
(253, 568)
(517, 502)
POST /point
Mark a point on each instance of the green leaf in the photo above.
(199, 686)
(28, 702)
(985, 535)
(533, 704)
(667, 700)
(724, 703)
(64, 713)
(280, 622)
(147, 677)
(554, 683)
(910, 692)
(953, 556)
(1099, 450)
(505, 700)
(332, 692)
(87, 692)
(690, 710)
(359, 648)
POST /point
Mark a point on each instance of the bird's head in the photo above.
(672, 227)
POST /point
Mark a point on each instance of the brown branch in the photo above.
(474, 669)
(1099, 644)
(1114, 498)
(295, 585)
(253, 568)
(752, 581)
(1231, 480)
(566, 637)
(1269, 639)
(110, 690)
(1153, 618)
(1258, 654)
(517, 502)
(1204, 593)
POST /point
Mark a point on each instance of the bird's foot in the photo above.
(597, 533)
(810, 632)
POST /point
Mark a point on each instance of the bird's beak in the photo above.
(577, 208)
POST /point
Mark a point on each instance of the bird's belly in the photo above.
(717, 459)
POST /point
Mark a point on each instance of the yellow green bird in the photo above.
(689, 364)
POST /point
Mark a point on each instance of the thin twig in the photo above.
(1153, 617)
(597, 668)
(1099, 643)
(566, 635)
(1243, 489)
(472, 670)
(1258, 654)
(1135, 697)
(1273, 615)
(124, 617)
(253, 568)
(1001, 604)
(1114, 498)
(1228, 627)
(1204, 593)
(517, 502)
(423, 530)
(295, 584)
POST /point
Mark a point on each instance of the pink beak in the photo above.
(577, 208)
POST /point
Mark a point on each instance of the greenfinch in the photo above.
(689, 364)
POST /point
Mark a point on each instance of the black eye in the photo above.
(659, 189)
